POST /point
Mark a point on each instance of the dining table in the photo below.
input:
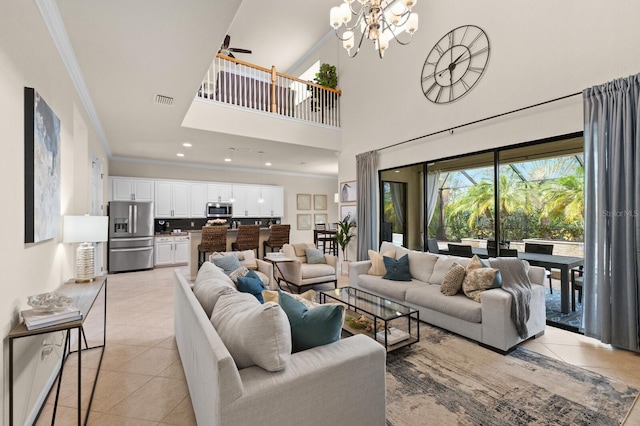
(564, 263)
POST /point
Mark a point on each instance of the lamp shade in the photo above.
(85, 229)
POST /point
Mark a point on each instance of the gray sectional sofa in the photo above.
(488, 322)
(341, 383)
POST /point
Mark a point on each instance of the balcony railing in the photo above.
(240, 83)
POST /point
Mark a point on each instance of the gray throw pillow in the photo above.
(226, 263)
(314, 255)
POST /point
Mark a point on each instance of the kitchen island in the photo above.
(195, 238)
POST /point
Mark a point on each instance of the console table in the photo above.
(84, 295)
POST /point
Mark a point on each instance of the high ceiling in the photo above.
(129, 51)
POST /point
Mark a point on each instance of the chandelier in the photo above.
(378, 20)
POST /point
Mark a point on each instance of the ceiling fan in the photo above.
(226, 50)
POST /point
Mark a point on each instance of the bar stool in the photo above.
(278, 236)
(214, 238)
(248, 238)
(325, 239)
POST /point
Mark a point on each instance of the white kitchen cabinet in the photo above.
(219, 192)
(131, 189)
(163, 251)
(171, 250)
(246, 204)
(172, 199)
(181, 249)
(273, 205)
(199, 199)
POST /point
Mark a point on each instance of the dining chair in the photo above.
(541, 249)
(576, 284)
(460, 250)
(432, 245)
(278, 236)
(248, 239)
(508, 252)
(214, 238)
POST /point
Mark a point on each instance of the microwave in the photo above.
(222, 210)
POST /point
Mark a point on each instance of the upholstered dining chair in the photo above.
(504, 252)
(278, 236)
(214, 238)
(576, 284)
(541, 249)
(460, 250)
(248, 239)
(432, 245)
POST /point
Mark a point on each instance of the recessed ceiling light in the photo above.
(187, 144)
(228, 160)
(397, 171)
(267, 164)
(180, 154)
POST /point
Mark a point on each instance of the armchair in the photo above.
(297, 272)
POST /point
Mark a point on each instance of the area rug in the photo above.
(571, 321)
(448, 380)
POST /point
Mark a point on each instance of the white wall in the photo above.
(28, 57)
(539, 51)
(293, 184)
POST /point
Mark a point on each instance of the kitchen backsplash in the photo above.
(168, 225)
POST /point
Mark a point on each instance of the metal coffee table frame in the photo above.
(377, 308)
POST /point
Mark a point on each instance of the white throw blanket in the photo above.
(515, 281)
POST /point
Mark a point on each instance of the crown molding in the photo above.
(53, 20)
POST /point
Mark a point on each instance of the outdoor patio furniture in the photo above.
(432, 245)
(508, 252)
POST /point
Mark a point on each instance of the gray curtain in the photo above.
(432, 194)
(367, 175)
(397, 197)
(612, 207)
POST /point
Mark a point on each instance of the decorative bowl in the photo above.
(49, 302)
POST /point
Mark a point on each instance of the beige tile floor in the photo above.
(141, 381)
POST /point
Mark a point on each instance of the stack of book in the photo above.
(393, 336)
(37, 319)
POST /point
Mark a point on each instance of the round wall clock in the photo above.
(455, 64)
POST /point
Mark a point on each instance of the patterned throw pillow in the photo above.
(478, 279)
(240, 272)
(307, 298)
(314, 256)
(397, 270)
(377, 262)
(452, 282)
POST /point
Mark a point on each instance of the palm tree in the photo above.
(564, 197)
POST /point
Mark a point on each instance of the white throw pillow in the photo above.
(211, 283)
(421, 265)
(377, 262)
(254, 333)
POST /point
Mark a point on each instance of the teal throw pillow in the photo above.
(252, 284)
(227, 263)
(311, 327)
(497, 281)
(314, 255)
(397, 270)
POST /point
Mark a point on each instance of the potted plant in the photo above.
(326, 77)
(343, 237)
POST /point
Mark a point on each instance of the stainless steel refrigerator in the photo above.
(130, 235)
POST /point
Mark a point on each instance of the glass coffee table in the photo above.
(370, 314)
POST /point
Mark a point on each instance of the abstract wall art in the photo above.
(41, 169)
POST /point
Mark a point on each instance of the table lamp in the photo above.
(85, 230)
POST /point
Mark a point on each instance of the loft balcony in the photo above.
(234, 83)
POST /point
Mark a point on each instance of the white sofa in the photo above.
(488, 322)
(342, 383)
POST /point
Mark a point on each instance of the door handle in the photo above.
(130, 217)
(135, 219)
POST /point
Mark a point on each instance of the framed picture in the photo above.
(348, 213)
(41, 169)
(348, 191)
(320, 218)
(304, 222)
(303, 201)
(319, 201)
